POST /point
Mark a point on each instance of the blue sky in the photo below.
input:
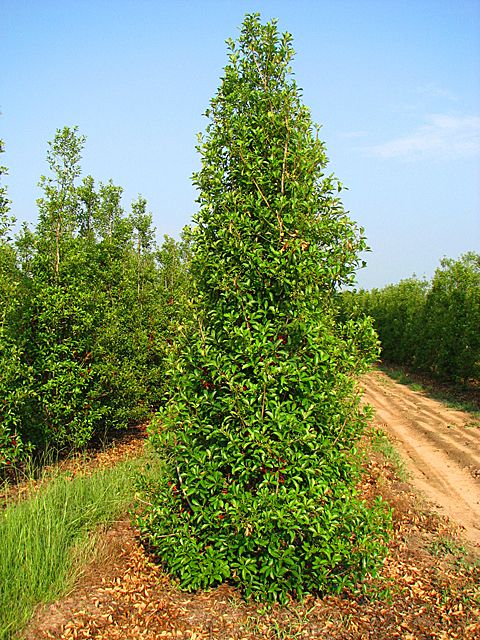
(395, 84)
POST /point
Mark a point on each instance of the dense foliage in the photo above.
(259, 431)
(86, 310)
(430, 326)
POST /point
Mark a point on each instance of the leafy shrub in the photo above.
(259, 430)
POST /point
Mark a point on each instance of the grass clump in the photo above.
(381, 444)
(45, 537)
(444, 545)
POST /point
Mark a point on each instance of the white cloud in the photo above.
(442, 136)
(432, 90)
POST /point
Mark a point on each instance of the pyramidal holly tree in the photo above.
(258, 434)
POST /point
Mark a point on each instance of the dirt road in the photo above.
(440, 447)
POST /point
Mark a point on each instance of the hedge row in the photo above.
(431, 326)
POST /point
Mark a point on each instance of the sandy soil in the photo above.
(440, 447)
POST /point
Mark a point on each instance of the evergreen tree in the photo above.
(259, 431)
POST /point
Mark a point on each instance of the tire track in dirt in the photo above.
(440, 447)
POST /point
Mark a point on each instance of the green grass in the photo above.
(401, 377)
(381, 444)
(47, 537)
(444, 545)
(455, 396)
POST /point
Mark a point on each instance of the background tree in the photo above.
(259, 431)
(58, 207)
(82, 311)
(172, 303)
(430, 326)
(399, 313)
(14, 375)
(450, 336)
(4, 199)
(60, 315)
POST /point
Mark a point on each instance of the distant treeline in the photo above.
(87, 300)
(431, 326)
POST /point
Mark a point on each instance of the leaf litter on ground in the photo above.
(429, 587)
